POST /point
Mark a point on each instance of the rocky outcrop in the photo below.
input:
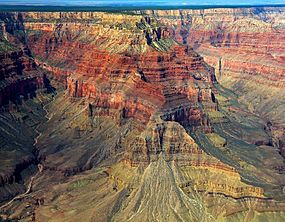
(232, 39)
(141, 74)
(241, 44)
(131, 71)
(17, 155)
(172, 140)
(19, 77)
(167, 86)
(138, 95)
(3, 32)
(122, 77)
(21, 83)
(20, 113)
(245, 46)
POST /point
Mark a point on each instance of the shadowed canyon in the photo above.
(143, 115)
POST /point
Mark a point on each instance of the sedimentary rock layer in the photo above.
(142, 95)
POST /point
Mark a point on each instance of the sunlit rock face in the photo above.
(234, 41)
(128, 69)
(245, 46)
(172, 107)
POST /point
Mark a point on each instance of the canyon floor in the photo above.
(147, 115)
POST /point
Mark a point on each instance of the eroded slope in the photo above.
(143, 113)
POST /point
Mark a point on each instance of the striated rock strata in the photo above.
(147, 105)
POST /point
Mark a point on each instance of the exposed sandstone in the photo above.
(137, 94)
(237, 36)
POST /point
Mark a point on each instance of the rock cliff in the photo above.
(153, 99)
(245, 46)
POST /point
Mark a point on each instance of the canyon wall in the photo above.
(22, 88)
(128, 68)
(168, 94)
(18, 77)
(245, 46)
(143, 68)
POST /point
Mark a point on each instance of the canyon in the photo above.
(146, 115)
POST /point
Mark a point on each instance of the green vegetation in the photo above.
(20, 34)
(217, 140)
(162, 44)
(122, 13)
(79, 184)
(6, 46)
(63, 20)
(36, 33)
(223, 101)
(149, 25)
(216, 117)
(121, 26)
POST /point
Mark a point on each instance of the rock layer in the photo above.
(245, 46)
(139, 98)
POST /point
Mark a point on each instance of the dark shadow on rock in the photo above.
(47, 84)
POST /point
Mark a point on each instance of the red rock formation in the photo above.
(231, 40)
(246, 48)
(124, 82)
(19, 77)
(159, 92)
